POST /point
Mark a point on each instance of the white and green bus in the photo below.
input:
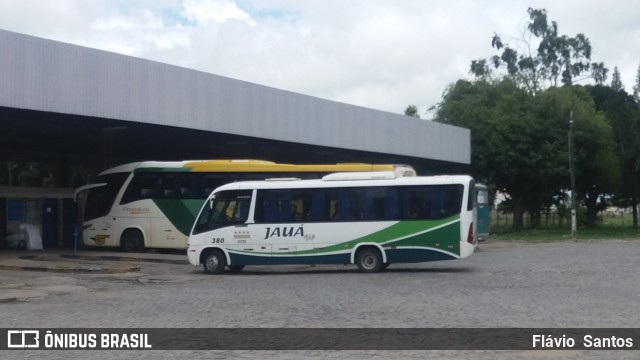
(153, 204)
(369, 219)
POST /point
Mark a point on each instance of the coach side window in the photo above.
(416, 203)
(142, 186)
(451, 202)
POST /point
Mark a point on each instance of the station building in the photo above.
(68, 112)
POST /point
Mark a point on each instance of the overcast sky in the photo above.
(382, 54)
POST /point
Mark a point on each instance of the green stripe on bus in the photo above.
(438, 238)
(410, 231)
(181, 213)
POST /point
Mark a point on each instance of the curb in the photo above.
(80, 269)
(122, 258)
(70, 270)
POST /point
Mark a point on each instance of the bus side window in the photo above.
(242, 211)
(317, 205)
(270, 210)
(342, 205)
(417, 204)
(183, 187)
(286, 207)
(451, 203)
(391, 209)
(145, 193)
(276, 206)
(142, 186)
(370, 208)
(356, 204)
(374, 203)
(169, 194)
(437, 200)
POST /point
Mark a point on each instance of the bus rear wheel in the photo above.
(369, 260)
(132, 241)
(214, 262)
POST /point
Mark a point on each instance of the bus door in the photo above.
(165, 235)
(483, 213)
(247, 239)
(279, 214)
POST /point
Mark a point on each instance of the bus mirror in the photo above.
(85, 188)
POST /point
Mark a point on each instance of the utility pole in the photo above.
(574, 230)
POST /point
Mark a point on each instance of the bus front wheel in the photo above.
(132, 241)
(214, 262)
(369, 260)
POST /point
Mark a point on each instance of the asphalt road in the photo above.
(545, 285)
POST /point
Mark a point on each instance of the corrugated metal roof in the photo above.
(46, 75)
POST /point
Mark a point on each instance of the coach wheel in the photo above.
(214, 262)
(369, 260)
(132, 241)
(236, 268)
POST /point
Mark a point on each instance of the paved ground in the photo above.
(545, 285)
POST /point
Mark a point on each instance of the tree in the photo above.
(412, 111)
(636, 87)
(556, 57)
(520, 143)
(519, 121)
(599, 73)
(514, 149)
(616, 82)
(597, 166)
(623, 113)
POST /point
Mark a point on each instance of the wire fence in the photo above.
(502, 220)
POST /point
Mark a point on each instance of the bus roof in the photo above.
(329, 182)
(249, 165)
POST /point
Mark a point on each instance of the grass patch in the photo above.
(564, 233)
(554, 229)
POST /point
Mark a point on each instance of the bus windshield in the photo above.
(225, 208)
(100, 199)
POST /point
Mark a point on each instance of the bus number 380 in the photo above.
(217, 240)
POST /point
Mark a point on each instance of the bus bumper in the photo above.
(193, 255)
(467, 249)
